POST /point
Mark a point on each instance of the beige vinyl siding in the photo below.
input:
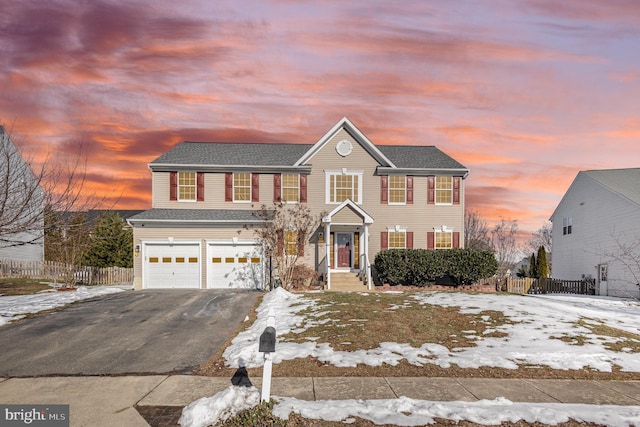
(346, 216)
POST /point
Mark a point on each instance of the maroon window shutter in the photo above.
(300, 244)
(173, 185)
(228, 187)
(384, 189)
(255, 187)
(431, 240)
(456, 239)
(409, 190)
(277, 187)
(431, 190)
(456, 190)
(409, 242)
(303, 188)
(280, 242)
(384, 240)
(200, 187)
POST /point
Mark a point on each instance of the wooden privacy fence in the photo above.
(55, 271)
(528, 285)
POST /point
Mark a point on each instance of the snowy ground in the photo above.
(535, 323)
(17, 307)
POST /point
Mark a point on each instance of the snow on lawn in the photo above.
(17, 307)
(405, 411)
(533, 323)
(531, 337)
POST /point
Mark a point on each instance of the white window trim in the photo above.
(195, 193)
(396, 229)
(567, 225)
(284, 242)
(441, 230)
(282, 189)
(233, 187)
(329, 173)
(389, 192)
(435, 192)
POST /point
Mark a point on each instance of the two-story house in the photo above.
(375, 197)
(596, 231)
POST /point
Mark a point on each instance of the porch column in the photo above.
(327, 250)
(365, 245)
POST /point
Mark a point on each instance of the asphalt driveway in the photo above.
(132, 332)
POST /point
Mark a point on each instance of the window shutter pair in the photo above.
(277, 188)
(228, 187)
(431, 190)
(173, 186)
(384, 240)
(431, 240)
(384, 189)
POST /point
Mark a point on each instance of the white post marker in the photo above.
(268, 346)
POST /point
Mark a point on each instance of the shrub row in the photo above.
(422, 267)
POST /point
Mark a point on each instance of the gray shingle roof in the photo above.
(419, 157)
(233, 154)
(625, 182)
(268, 154)
(196, 215)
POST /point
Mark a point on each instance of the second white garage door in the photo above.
(239, 265)
(175, 265)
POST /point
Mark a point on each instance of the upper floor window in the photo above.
(444, 190)
(566, 225)
(344, 185)
(187, 186)
(290, 187)
(241, 187)
(397, 189)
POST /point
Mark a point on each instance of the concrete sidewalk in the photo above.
(109, 401)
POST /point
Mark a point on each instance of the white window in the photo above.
(291, 242)
(397, 238)
(187, 186)
(242, 187)
(343, 185)
(444, 190)
(290, 187)
(566, 225)
(443, 239)
(397, 190)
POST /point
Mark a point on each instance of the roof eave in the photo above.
(382, 170)
(171, 167)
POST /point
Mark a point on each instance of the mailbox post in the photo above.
(267, 345)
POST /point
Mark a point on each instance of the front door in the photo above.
(345, 248)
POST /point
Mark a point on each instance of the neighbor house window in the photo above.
(187, 186)
(397, 239)
(397, 189)
(344, 185)
(291, 242)
(566, 225)
(443, 239)
(444, 190)
(290, 187)
(241, 187)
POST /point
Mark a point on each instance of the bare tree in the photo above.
(37, 200)
(286, 231)
(476, 231)
(542, 237)
(503, 243)
(626, 251)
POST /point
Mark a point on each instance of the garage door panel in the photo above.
(235, 266)
(172, 266)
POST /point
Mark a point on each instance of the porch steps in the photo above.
(346, 282)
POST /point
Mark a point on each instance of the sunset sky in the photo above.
(524, 93)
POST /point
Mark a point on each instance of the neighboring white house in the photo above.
(21, 206)
(596, 231)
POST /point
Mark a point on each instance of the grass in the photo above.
(392, 317)
(15, 286)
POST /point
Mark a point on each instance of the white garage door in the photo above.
(235, 266)
(175, 265)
